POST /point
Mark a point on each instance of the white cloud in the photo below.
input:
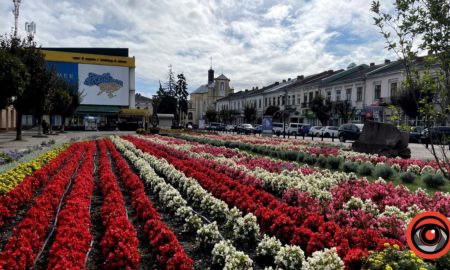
(254, 42)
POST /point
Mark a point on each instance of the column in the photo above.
(132, 100)
(1, 119)
(7, 119)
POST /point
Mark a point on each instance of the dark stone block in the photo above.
(383, 139)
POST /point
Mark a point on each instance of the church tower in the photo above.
(210, 76)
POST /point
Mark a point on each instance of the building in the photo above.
(205, 97)
(7, 118)
(142, 102)
(105, 78)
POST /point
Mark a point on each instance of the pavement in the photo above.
(8, 142)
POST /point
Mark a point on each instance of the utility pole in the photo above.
(16, 15)
(30, 28)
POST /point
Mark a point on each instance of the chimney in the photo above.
(300, 77)
(372, 64)
(284, 81)
(387, 61)
(257, 87)
(277, 83)
(246, 90)
(289, 79)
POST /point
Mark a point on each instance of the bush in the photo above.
(384, 171)
(350, 166)
(407, 177)
(322, 160)
(433, 180)
(365, 169)
(141, 131)
(334, 162)
(300, 157)
(291, 155)
(310, 160)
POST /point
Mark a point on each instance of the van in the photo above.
(277, 128)
(294, 129)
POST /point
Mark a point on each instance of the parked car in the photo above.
(258, 129)
(230, 127)
(277, 128)
(245, 128)
(328, 131)
(294, 129)
(314, 131)
(439, 135)
(349, 132)
(415, 134)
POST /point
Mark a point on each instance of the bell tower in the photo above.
(210, 74)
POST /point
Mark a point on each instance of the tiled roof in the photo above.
(202, 89)
(222, 77)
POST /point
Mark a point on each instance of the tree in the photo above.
(321, 107)
(249, 114)
(170, 84)
(65, 100)
(211, 115)
(345, 110)
(225, 116)
(14, 78)
(271, 110)
(181, 95)
(34, 97)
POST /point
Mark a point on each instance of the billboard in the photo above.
(103, 85)
(267, 125)
(68, 71)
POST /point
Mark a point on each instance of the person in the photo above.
(45, 126)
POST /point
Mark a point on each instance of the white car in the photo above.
(230, 127)
(328, 131)
(314, 130)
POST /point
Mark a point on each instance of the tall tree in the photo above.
(321, 107)
(211, 115)
(14, 78)
(249, 114)
(181, 95)
(345, 110)
(271, 110)
(65, 100)
(170, 85)
(34, 95)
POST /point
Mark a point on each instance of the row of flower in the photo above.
(313, 149)
(22, 194)
(10, 178)
(28, 238)
(320, 184)
(236, 228)
(294, 225)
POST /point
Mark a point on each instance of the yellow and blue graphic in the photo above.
(105, 82)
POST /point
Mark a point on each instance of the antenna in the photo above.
(211, 62)
(16, 15)
(30, 27)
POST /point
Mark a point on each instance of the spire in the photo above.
(210, 67)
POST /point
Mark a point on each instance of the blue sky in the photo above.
(253, 42)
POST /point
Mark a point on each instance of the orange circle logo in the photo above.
(428, 235)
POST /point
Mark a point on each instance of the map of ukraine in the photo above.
(105, 82)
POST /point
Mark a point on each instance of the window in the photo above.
(311, 96)
(293, 99)
(359, 93)
(265, 102)
(393, 89)
(274, 101)
(259, 103)
(305, 98)
(377, 91)
(338, 95)
(348, 94)
(316, 94)
(278, 101)
(329, 95)
(289, 100)
(283, 99)
(222, 89)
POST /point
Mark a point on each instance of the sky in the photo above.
(252, 42)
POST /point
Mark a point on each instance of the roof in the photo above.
(101, 51)
(222, 77)
(350, 75)
(96, 109)
(142, 99)
(201, 90)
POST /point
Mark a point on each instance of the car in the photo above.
(258, 129)
(438, 135)
(277, 128)
(314, 131)
(329, 131)
(245, 128)
(415, 134)
(349, 132)
(230, 127)
(293, 129)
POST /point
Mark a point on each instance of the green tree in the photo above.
(271, 110)
(181, 95)
(345, 110)
(65, 100)
(14, 78)
(321, 107)
(249, 114)
(211, 115)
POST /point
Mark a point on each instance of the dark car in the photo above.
(415, 134)
(245, 128)
(439, 135)
(258, 129)
(304, 129)
(349, 132)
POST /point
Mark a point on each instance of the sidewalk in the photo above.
(8, 142)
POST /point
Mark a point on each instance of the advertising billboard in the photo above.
(267, 125)
(103, 85)
(67, 71)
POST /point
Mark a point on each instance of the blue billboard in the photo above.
(68, 71)
(267, 125)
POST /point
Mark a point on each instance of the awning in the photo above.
(97, 110)
(134, 112)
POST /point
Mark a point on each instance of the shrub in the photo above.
(350, 166)
(300, 157)
(291, 155)
(322, 160)
(407, 177)
(384, 171)
(365, 169)
(433, 180)
(310, 160)
(141, 131)
(334, 162)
